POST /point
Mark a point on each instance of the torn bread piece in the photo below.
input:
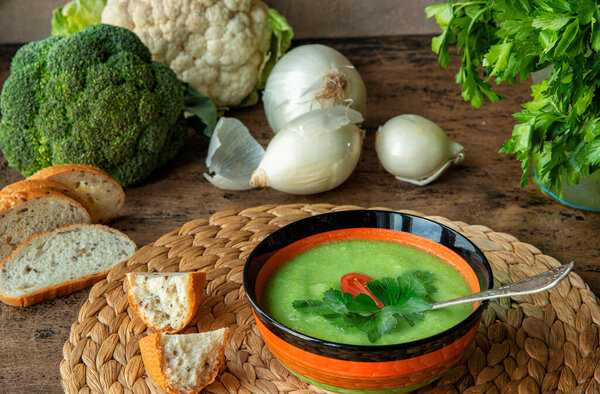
(184, 364)
(165, 301)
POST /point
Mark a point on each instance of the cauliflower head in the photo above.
(219, 47)
(94, 97)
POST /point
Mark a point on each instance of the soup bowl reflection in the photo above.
(345, 368)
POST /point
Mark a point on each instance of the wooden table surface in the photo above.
(402, 76)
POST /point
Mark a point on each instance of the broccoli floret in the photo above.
(94, 97)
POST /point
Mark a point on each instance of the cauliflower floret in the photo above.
(217, 46)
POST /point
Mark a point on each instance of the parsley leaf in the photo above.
(404, 298)
(502, 40)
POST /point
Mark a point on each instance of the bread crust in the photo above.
(30, 185)
(51, 173)
(47, 172)
(13, 198)
(58, 290)
(63, 288)
(195, 284)
(154, 361)
(152, 356)
(10, 201)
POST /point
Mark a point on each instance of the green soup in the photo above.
(311, 273)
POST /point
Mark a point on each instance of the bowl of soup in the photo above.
(342, 299)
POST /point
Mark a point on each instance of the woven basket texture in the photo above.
(541, 343)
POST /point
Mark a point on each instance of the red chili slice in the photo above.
(356, 284)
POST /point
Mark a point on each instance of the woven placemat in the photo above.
(546, 342)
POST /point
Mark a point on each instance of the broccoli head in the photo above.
(94, 97)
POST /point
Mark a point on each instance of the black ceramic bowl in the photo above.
(355, 368)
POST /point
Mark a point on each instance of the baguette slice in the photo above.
(27, 213)
(61, 261)
(100, 193)
(184, 364)
(166, 302)
(21, 188)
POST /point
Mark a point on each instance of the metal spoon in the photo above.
(534, 284)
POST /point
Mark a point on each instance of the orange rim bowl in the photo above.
(348, 368)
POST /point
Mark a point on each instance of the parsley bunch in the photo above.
(404, 298)
(510, 39)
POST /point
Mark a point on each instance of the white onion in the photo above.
(314, 153)
(311, 77)
(233, 154)
(415, 150)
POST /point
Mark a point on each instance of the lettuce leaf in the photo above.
(281, 39)
(280, 42)
(76, 15)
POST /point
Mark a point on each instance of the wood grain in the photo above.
(402, 76)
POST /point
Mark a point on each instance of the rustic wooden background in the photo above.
(402, 76)
(335, 18)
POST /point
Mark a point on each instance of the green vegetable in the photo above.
(281, 41)
(94, 97)
(510, 39)
(227, 87)
(202, 108)
(76, 15)
(404, 299)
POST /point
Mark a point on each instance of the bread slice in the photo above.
(166, 302)
(61, 261)
(100, 193)
(27, 213)
(184, 364)
(19, 189)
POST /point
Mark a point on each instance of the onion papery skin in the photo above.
(233, 154)
(296, 84)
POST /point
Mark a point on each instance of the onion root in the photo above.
(334, 83)
(259, 178)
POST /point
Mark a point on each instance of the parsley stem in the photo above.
(463, 5)
(475, 18)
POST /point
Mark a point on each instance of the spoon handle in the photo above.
(534, 284)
